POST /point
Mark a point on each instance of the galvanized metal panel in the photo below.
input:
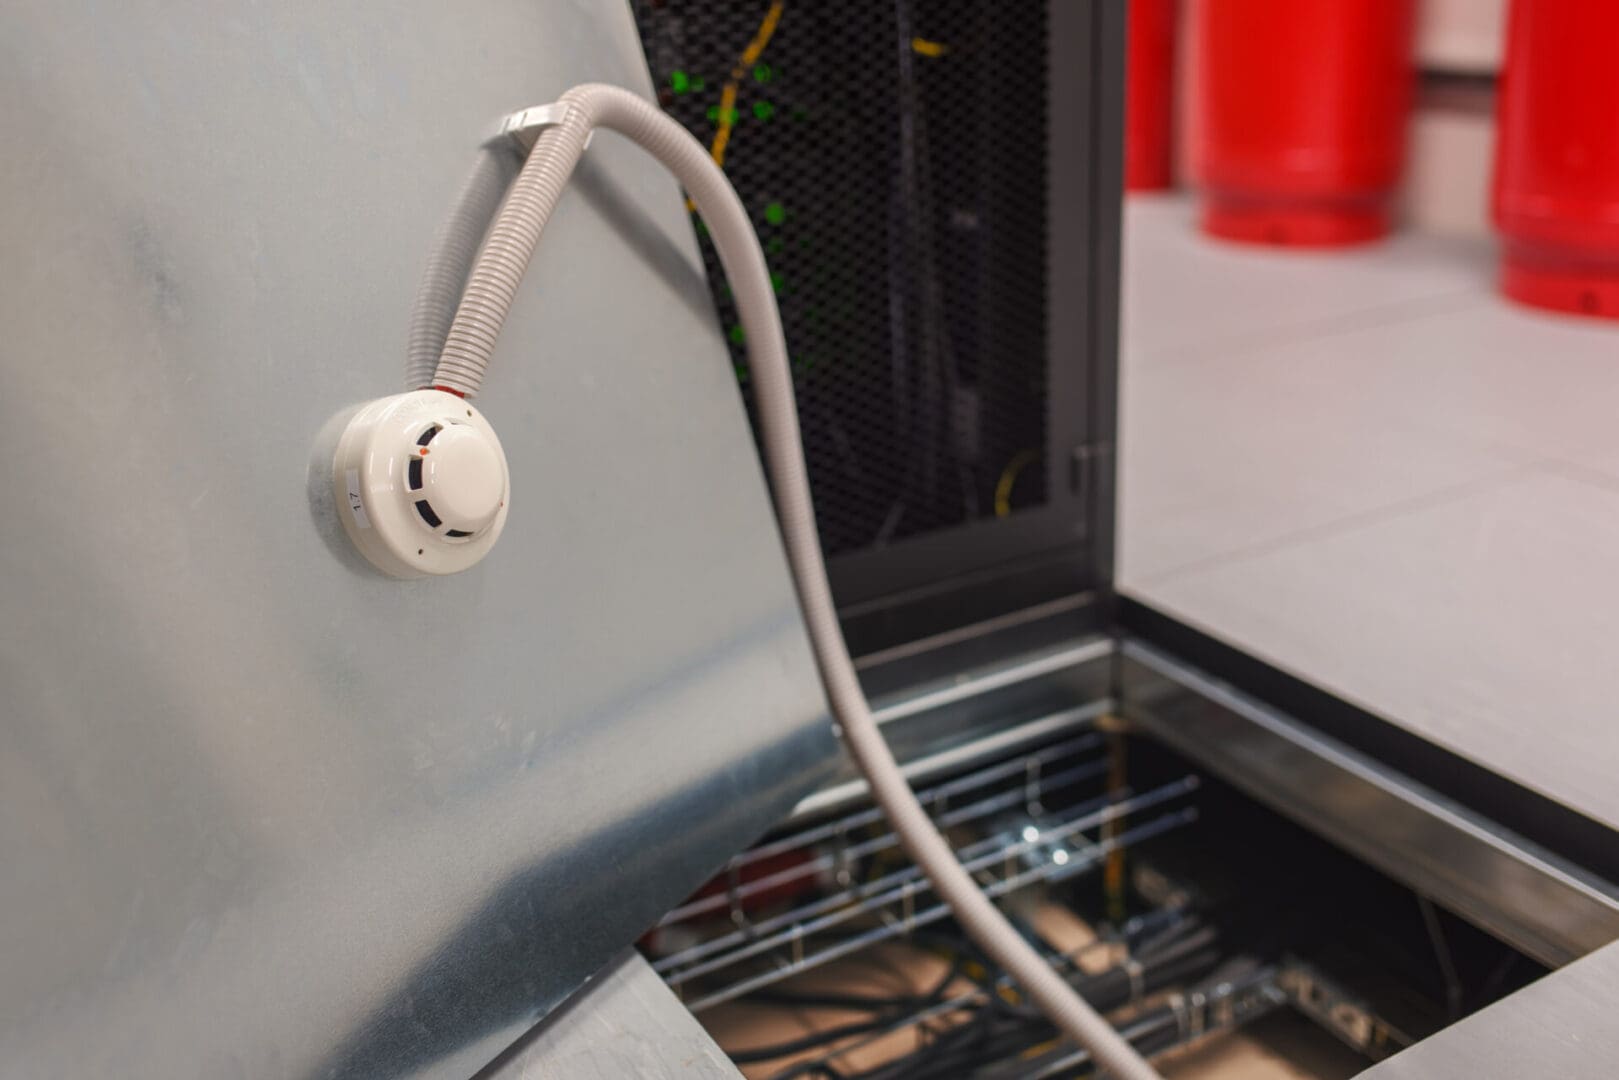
(263, 812)
(1528, 897)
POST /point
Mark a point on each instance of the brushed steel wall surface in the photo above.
(264, 813)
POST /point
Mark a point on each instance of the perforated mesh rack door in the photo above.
(893, 158)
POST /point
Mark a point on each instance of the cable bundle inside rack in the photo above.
(783, 920)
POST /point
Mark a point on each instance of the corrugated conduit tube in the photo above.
(454, 249)
(490, 289)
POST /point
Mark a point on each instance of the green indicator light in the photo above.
(698, 83)
(737, 335)
(713, 114)
(702, 229)
(679, 82)
(741, 373)
(775, 213)
(776, 282)
(763, 73)
(774, 245)
(731, 116)
(763, 110)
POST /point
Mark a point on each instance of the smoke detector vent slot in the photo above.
(426, 510)
(415, 474)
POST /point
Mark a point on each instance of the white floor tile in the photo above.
(1546, 384)
(1598, 463)
(1245, 450)
(1370, 469)
(1185, 294)
(1488, 623)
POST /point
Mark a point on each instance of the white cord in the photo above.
(490, 289)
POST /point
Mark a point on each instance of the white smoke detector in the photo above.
(421, 483)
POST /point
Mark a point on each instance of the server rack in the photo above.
(937, 187)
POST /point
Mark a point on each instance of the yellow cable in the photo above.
(722, 137)
(1003, 486)
(1113, 868)
(1038, 1049)
(750, 56)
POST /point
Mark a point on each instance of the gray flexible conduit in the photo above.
(489, 292)
(454, 249)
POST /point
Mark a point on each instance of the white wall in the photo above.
(1453, 133)
(1460, 35)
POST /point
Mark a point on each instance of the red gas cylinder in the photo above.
(1557, 156)
(1149, 90)
(1299, 112)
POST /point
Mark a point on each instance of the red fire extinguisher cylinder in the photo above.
(1556, 193)
(1149, 92)
(1299, 113)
